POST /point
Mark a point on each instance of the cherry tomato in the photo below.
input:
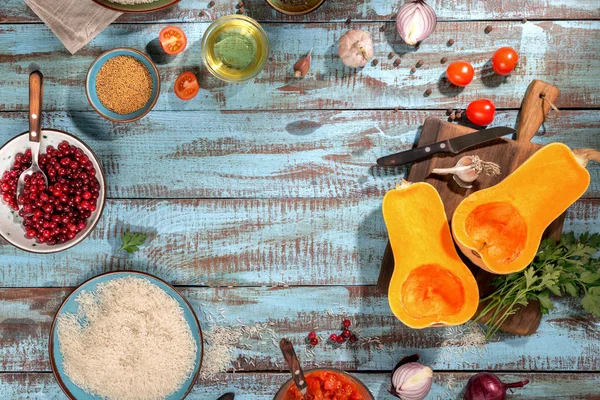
(172, 39)
(481, 112)
(460, 73)
(505, 60)
(186, 86)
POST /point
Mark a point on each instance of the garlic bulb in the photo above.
(415, 21)
(411, 381)
(468, 169)
(356, 48)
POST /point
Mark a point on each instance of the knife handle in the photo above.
(293, 364)
(416, 154)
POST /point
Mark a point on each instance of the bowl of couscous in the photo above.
(122, 85)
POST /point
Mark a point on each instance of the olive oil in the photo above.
(235, 48)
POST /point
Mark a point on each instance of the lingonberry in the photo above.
(333, 337)
(312, 335)
(347, 323)
(346, 333)
(314, 341)
(53, 214)
(340, 339)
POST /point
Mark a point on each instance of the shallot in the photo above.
(415, 21)
(356, 48)
(411, 380)
(487, 386)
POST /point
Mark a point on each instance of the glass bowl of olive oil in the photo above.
(235, 48)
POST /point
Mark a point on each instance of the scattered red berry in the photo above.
(314, 341)
(333, 337)
(346, 333)
(312, 335)
(347, 323)
(353, 339)
(340, 339)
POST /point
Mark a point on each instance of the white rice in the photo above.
(129, 340)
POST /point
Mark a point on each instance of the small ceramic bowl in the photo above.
(70, 305)
(295, 7)
(11, 228)
(137, 8)
(92, 95)
(240, 23)
(364, 391)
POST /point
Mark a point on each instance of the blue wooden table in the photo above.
(261, 200)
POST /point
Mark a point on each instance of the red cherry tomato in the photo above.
(172, 39)
(505, 60)
(460, 73)
(186, 86)
(481, 112)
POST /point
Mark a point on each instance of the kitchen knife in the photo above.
(455, 145)
(227, 396)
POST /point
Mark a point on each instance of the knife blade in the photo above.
(227, 396)
(454, 145)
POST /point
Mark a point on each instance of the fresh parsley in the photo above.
(132, 241)
(563, 268)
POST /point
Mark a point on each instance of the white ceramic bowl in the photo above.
(11, 228)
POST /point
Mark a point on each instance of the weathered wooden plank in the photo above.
(336, 10)
(562, 52)
(234, 243)
(262, 386)
(325, 154)
(568, 339)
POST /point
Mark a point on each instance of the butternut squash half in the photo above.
(500, 228)
(430, 285)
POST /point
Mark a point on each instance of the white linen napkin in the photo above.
(74, 22)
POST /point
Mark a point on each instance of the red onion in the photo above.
(487, 386)
(415, 21)
(411, 380)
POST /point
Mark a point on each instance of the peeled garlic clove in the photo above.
(302, 66)
(356, 48)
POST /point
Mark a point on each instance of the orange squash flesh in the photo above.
(500, 228)
(430, 285)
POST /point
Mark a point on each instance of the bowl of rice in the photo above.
(136, 6)
(126, 335)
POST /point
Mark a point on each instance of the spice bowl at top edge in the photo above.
(361, 388)
(295, 7)
(92, 93)
(235, 48)
(11, 227)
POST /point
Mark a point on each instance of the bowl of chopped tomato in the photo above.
(326, 384)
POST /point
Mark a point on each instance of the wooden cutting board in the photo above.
(507, 153)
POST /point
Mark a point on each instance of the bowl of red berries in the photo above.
(54, 217)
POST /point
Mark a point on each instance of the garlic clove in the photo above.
(302, 66)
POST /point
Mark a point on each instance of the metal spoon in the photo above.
(227, 396)
(294, 365)
(36, 89)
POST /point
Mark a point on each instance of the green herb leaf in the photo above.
(131, 242)
(560, 267)
(591, 303)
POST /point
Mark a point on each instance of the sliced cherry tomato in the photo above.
(505, 60)
(481, 112)
(186, 86)
(172, 39)
(460, 73)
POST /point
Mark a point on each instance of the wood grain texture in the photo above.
(234, 242)
(340, 10)
(562, 53)
(26, 316)
(262, 386)
(324, 154)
